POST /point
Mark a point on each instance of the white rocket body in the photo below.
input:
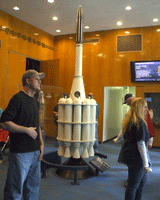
(78, 84)
(77, 115)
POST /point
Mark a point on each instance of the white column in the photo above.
(68, 127)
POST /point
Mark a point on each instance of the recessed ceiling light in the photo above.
(50, 1)
(58, 31)
(155, 20)
(36, 33)
(100, 54)
(55, 18)
(158, 30)
(119, 23)
(128, 8)
(15, 8)
(4, 27)
(86, 27)
(97, 35)
(127, 32)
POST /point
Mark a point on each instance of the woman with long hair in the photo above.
(134, 149)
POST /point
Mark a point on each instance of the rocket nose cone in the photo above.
(79, 14)
(80, 6)
(79, 9)
(79, 29)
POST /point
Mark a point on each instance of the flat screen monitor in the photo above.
(145, 71)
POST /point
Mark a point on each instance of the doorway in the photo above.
(114, 110)
(32, 64)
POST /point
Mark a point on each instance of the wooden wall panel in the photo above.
(103, 66)
(3, 60)
(156, 140)
(15, 69)
(12, 43)
(51, 69)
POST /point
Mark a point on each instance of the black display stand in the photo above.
(74, 168)
(99, 164)
(48, 160)
(82, 170)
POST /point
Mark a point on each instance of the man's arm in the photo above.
(14, 128)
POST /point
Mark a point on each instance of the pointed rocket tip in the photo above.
(79, 8)
(79, 29)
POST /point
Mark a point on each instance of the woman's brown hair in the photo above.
(135, 114)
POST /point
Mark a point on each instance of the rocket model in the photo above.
(78, 85)
(76, 114)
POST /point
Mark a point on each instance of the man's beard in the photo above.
(33, 88)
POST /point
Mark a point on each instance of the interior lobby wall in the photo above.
(10, 42)
(103, 66)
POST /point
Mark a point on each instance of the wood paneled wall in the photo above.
(14, 80)
(20, 46)
(103, 66)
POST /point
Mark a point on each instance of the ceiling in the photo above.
(98, 14)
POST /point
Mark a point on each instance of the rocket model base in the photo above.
(80, 174)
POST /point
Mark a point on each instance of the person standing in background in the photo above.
(21, 119)
(1, 155)
(151, 117)
(128, 98)
(150, 110)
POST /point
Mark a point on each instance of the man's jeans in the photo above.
(23, 176)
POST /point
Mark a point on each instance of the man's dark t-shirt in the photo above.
(23, 110)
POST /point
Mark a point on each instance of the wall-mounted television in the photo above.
(145, 71)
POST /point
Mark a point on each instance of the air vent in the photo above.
(129, 43)
(89, 41)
